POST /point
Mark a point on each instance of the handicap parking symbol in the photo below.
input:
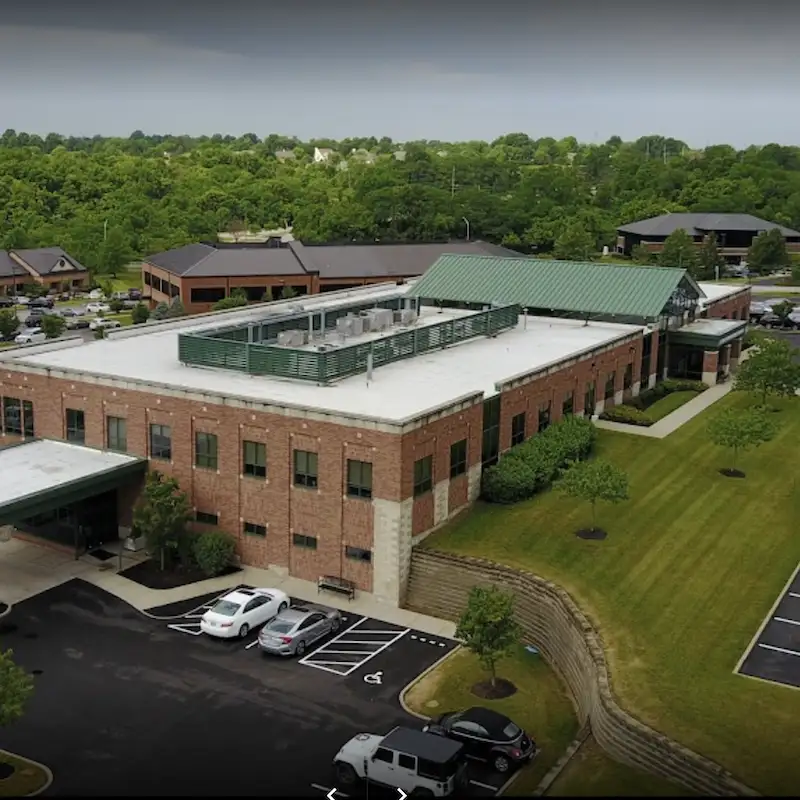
(375, 678)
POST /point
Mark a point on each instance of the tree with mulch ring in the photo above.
(741, 430)
(488, 628)
(594, 481)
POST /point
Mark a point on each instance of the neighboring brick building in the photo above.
(323, 448)
(50, 267)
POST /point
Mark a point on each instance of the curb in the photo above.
(47, 771)
(413, 683)
(7, 611)
(551, 776)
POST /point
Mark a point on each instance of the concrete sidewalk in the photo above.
(670, 423)
(28, 568)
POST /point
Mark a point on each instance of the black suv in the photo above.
(486, 736)
(41, 302)
(6, 302)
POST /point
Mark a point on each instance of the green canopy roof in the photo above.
(609, 290)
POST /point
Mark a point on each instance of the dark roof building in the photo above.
(49, 266)
(202, 273)
(734, 232)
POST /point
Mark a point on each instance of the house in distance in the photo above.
(734, 232)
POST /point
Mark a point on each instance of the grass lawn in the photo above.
(27, 778)
(591, 773)
(669, 403)
(692, 564)
(129, 278)
(540, 706)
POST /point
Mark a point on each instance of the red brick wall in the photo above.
(334, 519)
(736, 307)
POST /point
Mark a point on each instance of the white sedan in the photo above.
(102, 322)
(97, 308)
(241, 611)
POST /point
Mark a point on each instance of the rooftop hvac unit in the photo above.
(356, 326)
(344, 325)
(379, 319)
(405, 316)
(292, 338)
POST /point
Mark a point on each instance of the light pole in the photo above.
(467, 223)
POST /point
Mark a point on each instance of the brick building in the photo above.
(330, 436)
(50, 267)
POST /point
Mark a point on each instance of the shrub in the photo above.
(627, 415)
(680, 385)
(533, 465)
(116, 306)
(213, 552)
(140, 314)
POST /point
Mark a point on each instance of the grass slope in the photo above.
(540, 706)
(692, 564)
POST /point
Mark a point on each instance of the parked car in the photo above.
(135, 294)
(96, 294)
(6, 302)
(77, 323)
(242, 610)
(772, 320)
(416, 762)
(20, 299)
(97, 308)
(294, 629)
(486, 736)
(31, 336)
(102, 322)
(71, 311)
(35, 316)
(42, 302)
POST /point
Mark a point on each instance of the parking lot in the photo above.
(145, 704)
(775, 654)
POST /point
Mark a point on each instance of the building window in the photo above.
(12, 416)
(458, 458)
(27, 419)
(147, 279)
(76, 426)
(254, 529)
(301, 540)
(174, 291)
(357, 554)
(359, 479)
(568, 406)
(305, 469)
(205, 518)
(205, 450)
(255, 459)
(544, 418)
(117, 434)
(610, 380)
(627, 378)
(589, 398)
(491, 431)
(161, 442)
(647, 350)
(517, 429)
(423, 475)
(207, 294)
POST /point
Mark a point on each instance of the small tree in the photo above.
(711, 262)
(53, 325)
(641, 255)
(140, 314)
(768, 252)
(288, 292)
(9, 323)
(160, 311)
(782, 311)
(236, 299)
(161, 517)
(574, 243)
(16, 687)
(213, 552)
(740, 430)
(487, 626)
(679, 251)
(592, 481)
(769, 370)
(176, 309)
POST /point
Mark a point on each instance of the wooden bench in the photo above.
(331, 583)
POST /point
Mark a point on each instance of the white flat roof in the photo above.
(400, 391)
(33, 467)
(716, 291)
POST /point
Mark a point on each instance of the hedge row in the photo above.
(533, 465)
(634, 412)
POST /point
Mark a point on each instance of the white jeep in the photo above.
(421, 764)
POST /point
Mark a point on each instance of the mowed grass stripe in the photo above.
(692, 564)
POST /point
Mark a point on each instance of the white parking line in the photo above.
(311, 661)
(484, 786)
(187, 629)
(794, 594)
(780, 649)
(787, 621)
(327, 789)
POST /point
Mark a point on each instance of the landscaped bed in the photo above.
(540, 705)
(654, 404)
(149, 573)
(591, 773)
(20, 777)
(692, 563)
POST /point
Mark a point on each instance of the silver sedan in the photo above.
(294, 629)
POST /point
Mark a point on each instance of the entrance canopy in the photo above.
(43, 474)
(710, 334)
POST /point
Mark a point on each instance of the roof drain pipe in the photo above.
(524, 319)
(370, 361)
(311, 327)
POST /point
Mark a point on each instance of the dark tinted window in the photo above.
(382, 754)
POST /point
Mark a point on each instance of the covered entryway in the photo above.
(706, 350)
(65, 493)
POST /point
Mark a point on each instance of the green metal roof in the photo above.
(568, 286)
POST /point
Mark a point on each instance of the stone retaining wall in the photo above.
(439, 584)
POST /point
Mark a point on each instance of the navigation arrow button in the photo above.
(331, 794)
(402, 794)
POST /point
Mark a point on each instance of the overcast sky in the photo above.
(405, 68)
